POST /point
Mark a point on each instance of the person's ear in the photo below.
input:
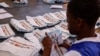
(79, 22)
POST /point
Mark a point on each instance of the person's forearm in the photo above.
(47, 52)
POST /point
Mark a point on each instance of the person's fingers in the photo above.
(46, 35)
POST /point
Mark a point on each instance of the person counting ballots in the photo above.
(81, 17)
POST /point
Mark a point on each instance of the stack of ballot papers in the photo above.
(62, 27)
(48, 17)
(36, 22)
(4, 14)
(2, 11)
(20, 47)
(37, 33)
(6, 31)
(21, 25)
(60, 16)
(4, 4)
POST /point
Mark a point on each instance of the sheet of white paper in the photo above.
(56, 6)
(2, 11)
(35, 21)
(5, 15)
(4, 4)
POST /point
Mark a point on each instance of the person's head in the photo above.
(82, 14)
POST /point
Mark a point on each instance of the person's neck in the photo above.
(86, 34)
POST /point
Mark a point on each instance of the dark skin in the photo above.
(79, 27)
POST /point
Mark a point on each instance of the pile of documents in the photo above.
(37, 33)
(51, 19)
(4, 14)
(35, 21)
(21, 25)
(47, 19)
(4, 4)
(18, 46)
(6, 31)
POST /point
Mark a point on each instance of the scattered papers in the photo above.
(21, 25)
(5, 15)
(19, 47)
(6, 31)
(35, 21)
(2, 11)
(4, 4)
(56, 6)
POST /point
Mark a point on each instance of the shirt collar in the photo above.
(92, 39)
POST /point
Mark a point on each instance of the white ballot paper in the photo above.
(62, 27)
(21, 25)
(19, 46)
(2, 11)
(35, 21)
(54, 16)
(63, 13)
(56, 6)
(38, 34)
(51, 19)
(6, 31)
(5, 15)
(4, 4)
(60, 16)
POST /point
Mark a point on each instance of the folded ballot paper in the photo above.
(37, 33)
(36, 22)
(51, 19)
(21, 25)
(62, 27)
(20, 47)
(6, 31)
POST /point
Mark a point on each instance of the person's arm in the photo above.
(46, 52)
(47, 43)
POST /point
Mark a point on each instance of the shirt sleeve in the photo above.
(72, 53)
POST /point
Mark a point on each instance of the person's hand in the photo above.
(65, 45)
(47, 42)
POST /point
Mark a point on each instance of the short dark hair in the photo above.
(88, 10)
